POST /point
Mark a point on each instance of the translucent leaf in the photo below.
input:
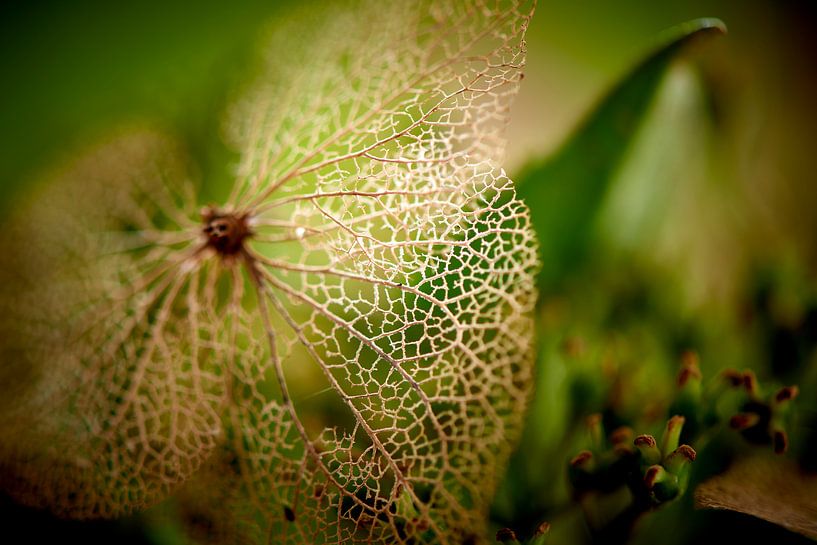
(340, 352)
(99, 331)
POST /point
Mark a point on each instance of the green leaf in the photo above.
(565, 191)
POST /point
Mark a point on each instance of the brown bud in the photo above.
(593, 420)
(690, 359)
(742, 421)
(686, 375)
(595, 428)
(648, 448)
(506, 535)
(622, 449)
(581, 458)
(786, 393)
(542, 529)
(750, 382)
(690, 368)
(678, 461)
(687, 452)
(733, 377)
(781, 442)
(573, 347)
(621, 434)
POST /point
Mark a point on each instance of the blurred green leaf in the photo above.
(566, 189)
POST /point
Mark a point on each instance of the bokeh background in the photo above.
(705, 237)
(73, 71)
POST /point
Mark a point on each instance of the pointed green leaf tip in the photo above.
(565, 190)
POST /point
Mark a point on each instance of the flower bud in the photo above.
(742, 421)
(690, 375)
(581, 471)
(647, 447)
(622, 434)
(733, 377)
(540, 535)
(583, 459)
(785, 394)
(506, 536)
(780, 440)
(662, 484)
(672, 434)
(596, 432)
(679, 460)
(750, 383)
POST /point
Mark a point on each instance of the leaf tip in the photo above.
(709, 24)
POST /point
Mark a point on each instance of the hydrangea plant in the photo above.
(340, 351)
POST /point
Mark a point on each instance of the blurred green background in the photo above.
(700, 236)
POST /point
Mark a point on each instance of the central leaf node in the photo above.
(225, 231)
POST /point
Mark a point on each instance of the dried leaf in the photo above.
(772, 489)
(106, 403)
(371, 245)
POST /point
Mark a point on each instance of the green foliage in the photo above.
(611, 336)
(566, 190)
(565, 193)
(72, 71)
